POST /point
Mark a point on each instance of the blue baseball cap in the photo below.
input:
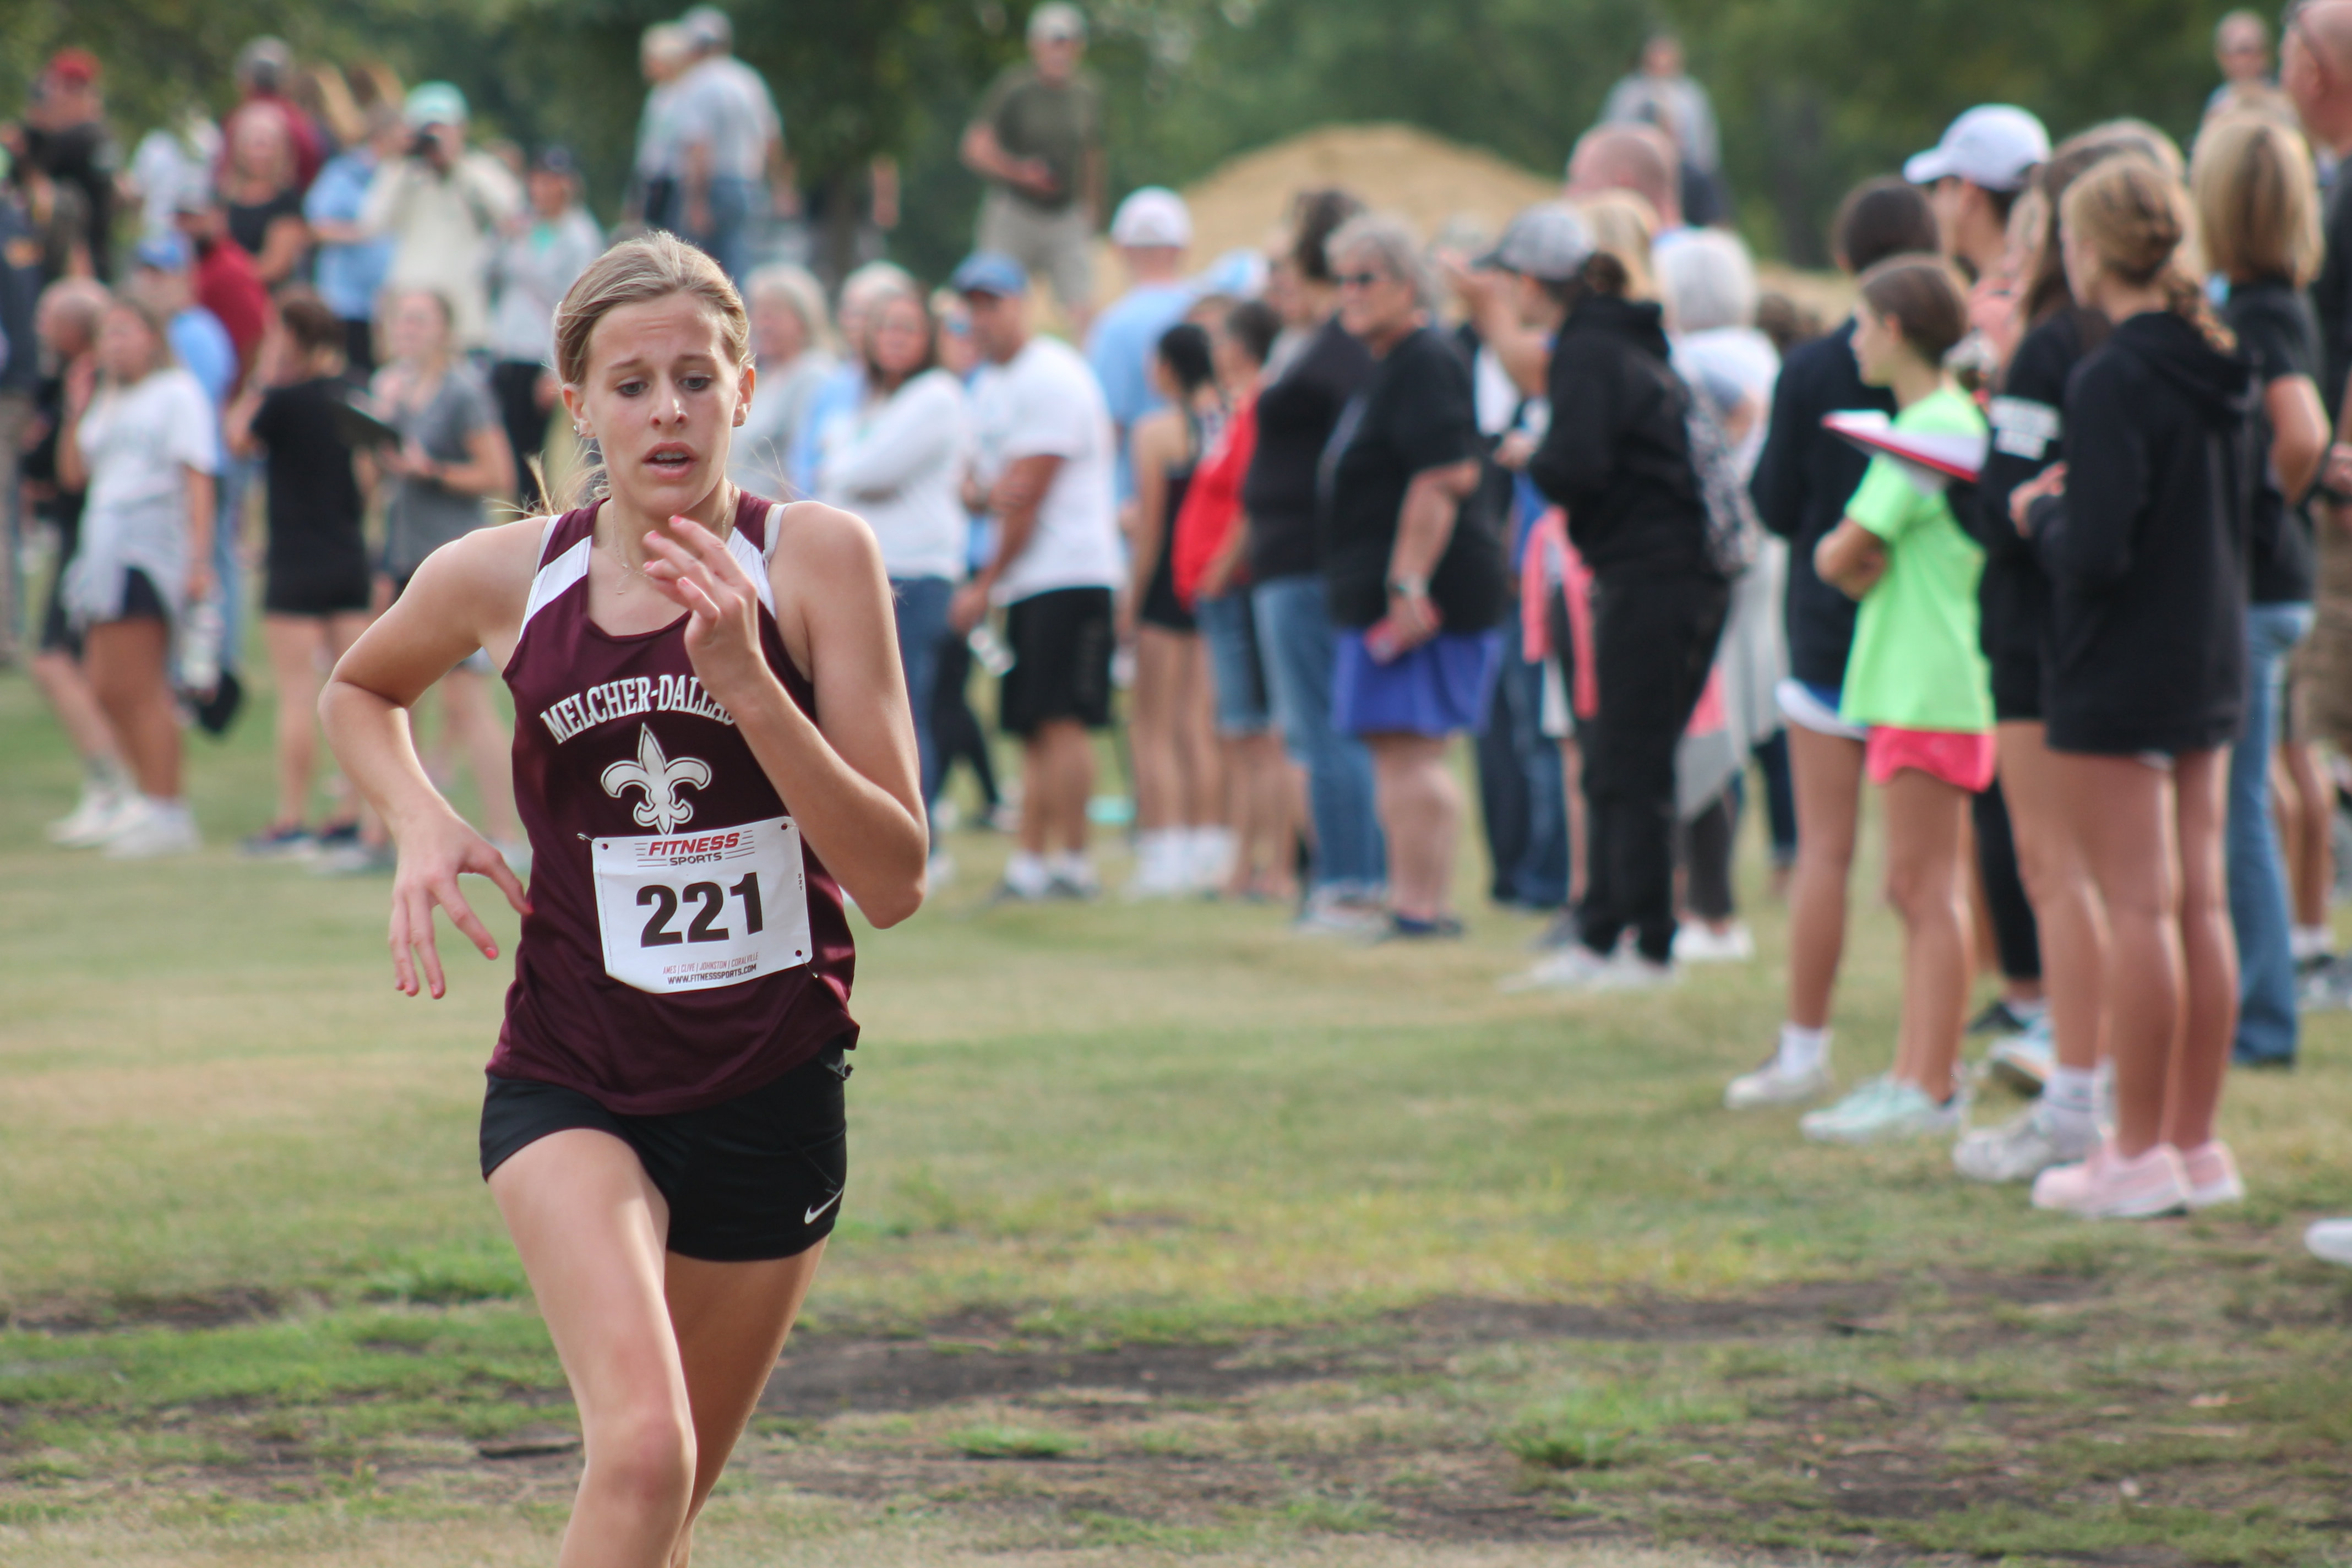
(165, 252)
(990, 272)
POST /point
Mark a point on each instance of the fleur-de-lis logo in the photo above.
(662, 809)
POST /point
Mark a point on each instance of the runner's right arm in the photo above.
(467, 594)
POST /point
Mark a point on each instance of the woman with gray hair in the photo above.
(794, 347)
(1415, 570)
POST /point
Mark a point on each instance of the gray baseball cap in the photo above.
(1551, 242)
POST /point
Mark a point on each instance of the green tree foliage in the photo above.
(1812, 94)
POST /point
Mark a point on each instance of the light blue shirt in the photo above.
(1120, 349)
(201, 346)
(837, 398)
(348, 276)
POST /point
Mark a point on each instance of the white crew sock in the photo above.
(1071, 866)
(174, 809)
(2072, 1095)
(2028, 1013)
(1025, 874)
(2311, 941)
(1804, 1050)
(1209, 855)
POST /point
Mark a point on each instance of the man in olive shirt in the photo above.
(1038, 142)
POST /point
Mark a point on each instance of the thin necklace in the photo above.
(631, 572)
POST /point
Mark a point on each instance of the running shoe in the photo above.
(2330, 1241)
(1564, 930)
(1578, 968)
(289, 842)
(2024, 1146)
(356, 859)
(2212, 1172)
(150, 831)
(1074, 884)
(1699, 943)
(93, 820)
(1883, 1110)
(1335, 912)
(2107, 1185)
(2327, 989)
(2025, 1060)
(1161, 868)
(1406, 928)
(336, 834)
(1999, 1018)
(1776, 1084)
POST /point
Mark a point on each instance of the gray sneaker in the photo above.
(2024, 1147)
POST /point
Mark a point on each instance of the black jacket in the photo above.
(1803, 479)
(2147, 548)
(1617, 454)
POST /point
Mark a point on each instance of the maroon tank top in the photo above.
(682, 947)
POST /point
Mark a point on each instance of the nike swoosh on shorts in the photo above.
(809, 1217)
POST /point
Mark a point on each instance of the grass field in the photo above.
(1169, 1236)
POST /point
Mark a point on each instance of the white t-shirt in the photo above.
(1045, 401)
(895, 463)
(137, 441)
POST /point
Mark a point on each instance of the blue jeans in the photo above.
(2258, 901)
(1297, 641)
(734, 202)
(237, 477)
(919, 605)
(1521, 790)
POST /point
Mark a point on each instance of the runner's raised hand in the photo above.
(432, 857)
(694, 570)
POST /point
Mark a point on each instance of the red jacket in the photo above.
(228, 286)
(1213, 503)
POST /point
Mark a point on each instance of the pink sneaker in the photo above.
(2108, 1186)
(2212, 1172)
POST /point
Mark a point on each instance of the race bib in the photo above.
(685, 911)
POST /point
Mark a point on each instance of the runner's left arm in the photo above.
(850, 782)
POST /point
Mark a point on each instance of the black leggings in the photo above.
(1706, 841)
(955, 727)
(515, 384)
(2014, 934)
(1653, 637)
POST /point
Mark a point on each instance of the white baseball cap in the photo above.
(1152, 215)
(1995, 145)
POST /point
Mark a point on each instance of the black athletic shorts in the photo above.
(58, 633)
(142, 600)
(341, 593)
(2016, 684)
(1062, 643)
(756, 1177)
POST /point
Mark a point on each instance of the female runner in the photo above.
(705, 683)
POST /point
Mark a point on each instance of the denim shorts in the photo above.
(1229, 627)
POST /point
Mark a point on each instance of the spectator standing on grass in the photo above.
(900, 466)
(1803, 479)
(546, 246)
(262, 204)
(2258, 221)
(664, 1127)
(956, 730)
(444, 205)
(351, 263)
(316, 602)
(793, 341)
(835, 399)
(1617, 457)
(1662, 94)
(2316, 69)
(1312, 378)
(66, 137)
(265, 70)
(1415, 568)
(70, 316)
(1916, 681)
(1182, 842)
(2242, 49)
(663, 54)
(1042, 471)
(228, 285)
(1151, 230)
(21, 286)
(1974, 175)
(1037, 140)
(1211, 547)
(167, 161)
(452, 462)
(729, 145)
(2142, 529)
(144, 449)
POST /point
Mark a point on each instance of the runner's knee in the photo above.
(645, 1457)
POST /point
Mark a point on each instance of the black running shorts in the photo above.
(1062, 641)
(756, 1177)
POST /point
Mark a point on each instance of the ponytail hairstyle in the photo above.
(2134, 218)
(1184, 350)
(651, 267)
(1924, 298)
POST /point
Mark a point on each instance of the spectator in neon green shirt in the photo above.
(1917, 678)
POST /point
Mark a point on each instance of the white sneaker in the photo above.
(1577, 967)
(1162, 868)
(2330, 1241)
(2108, 1186)
(1774, 1083)
(1699, 943)
(1336, 912)
(1882, 1110)
(2212, 1172)
(2026, 1060)
(96, 818)
(149, 831)
(2024, 1146)
(1208, 858)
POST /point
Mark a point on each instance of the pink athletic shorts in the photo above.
(1963, 760)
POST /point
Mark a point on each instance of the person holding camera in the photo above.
(443, 207)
